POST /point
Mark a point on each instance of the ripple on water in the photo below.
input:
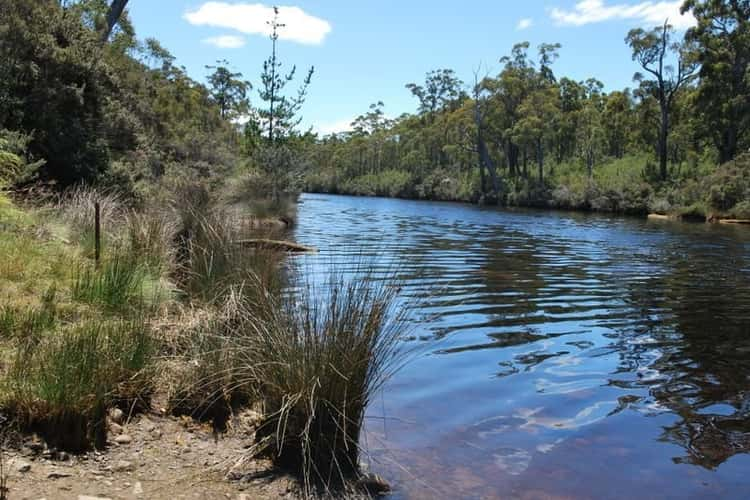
(570, 355)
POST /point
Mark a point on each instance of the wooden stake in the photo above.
(97, 233)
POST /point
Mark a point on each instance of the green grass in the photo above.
(19, 322)
(115, 285)
(62, 384)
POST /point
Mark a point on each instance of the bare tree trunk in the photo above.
(113, 17)
(540, 160)
(663, 133)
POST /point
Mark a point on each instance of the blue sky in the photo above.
(365, 51)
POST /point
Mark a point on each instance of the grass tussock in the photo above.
(314, 359)
(62, 384)
(115, 284)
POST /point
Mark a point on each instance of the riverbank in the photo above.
(151, 455)
(617, 186)
(174, 315)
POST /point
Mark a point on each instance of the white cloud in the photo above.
(648, 12)
(524, 23)
(334, 127)
(226, 41)
(252, 19)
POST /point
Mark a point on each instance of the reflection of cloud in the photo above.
(514, 461)
(253, 19)
(648, 12)
(587, 416)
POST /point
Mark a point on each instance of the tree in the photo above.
(590, 135)
(441, 90)
(113, 17)
(722, 38)
(651, 49)
(281, 116)
(228, 90)
(481, 95)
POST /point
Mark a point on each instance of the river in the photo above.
(561, 355)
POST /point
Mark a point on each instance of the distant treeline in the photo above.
(528, 137)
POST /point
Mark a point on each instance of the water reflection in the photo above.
(569, 353)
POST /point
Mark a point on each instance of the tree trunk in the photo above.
(728, 144)
(540, 160)
(663, 133)
(113, 17)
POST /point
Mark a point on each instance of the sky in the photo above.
(366, 51)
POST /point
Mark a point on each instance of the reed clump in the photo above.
(313, 359)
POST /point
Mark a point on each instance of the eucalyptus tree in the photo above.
(652, 50)
(441, 92)
(228, 90)
(722, 38)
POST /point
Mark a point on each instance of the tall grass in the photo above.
(151, 237)
(19, 322)
(214, 261)
(75, 207)
(315, 359)
(62, 384)
(116, 285)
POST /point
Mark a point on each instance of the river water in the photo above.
(561, 355)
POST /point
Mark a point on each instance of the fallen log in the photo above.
(662, 217)
(734, 221)
(284, 246)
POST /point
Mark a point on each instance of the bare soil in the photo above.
(152, 456)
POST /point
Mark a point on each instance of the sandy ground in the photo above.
(149, 457)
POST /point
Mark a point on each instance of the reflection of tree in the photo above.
(698, 320)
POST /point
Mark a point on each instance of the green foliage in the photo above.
(228, 90)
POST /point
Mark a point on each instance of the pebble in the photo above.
(138, 489)
(116, 415)
(56, 474)
(115, 428)
(123, 439)
(87, 497)
(123, 466)
(22, 466)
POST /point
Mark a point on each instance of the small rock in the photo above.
(123, 439)
(138, 489)
(22, 466)
(87, 497)
(116, 415)
(56, 474)
(115, 428)
(374, 485)
(123, 466)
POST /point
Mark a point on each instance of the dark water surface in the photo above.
(565, 355)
